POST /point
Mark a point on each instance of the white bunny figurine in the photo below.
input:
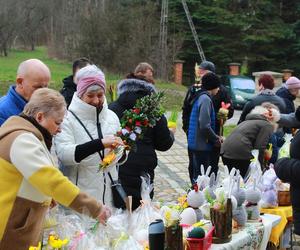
(239, 214)
(210, 190)
(195, 199)
(253, 196)
(203, 179)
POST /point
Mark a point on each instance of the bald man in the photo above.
(32, 74)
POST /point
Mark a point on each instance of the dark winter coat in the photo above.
(191, 96)
(288, 170)
(68, 89)
(265, 96)
(222, 96)
(254, 133)
(288, 98)
(144, 160)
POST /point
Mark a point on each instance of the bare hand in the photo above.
(104, 214)
(173, 130)
(111, 141)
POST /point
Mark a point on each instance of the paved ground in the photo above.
(171, 176)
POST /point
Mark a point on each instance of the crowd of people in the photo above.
(80, 127)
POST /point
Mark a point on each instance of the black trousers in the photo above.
(241, 165)
(198, 158)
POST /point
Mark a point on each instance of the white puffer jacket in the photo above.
(86, 173)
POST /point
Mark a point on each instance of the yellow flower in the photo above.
(172, 124)
(199, 224)
(168, 215)
(36, 248)
(108, 159)
(56, 242)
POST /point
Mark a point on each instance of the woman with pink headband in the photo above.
(85, 130)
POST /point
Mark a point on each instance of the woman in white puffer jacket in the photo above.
(79, 155)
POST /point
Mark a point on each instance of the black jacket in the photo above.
(144, 160)
(288, 170)
(68, 89)
(192, 94)
(265, 96)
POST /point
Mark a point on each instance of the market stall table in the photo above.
(255, 235)
(284, 212)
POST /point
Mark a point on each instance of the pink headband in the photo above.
(85, 82)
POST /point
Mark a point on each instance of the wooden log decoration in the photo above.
(174, 237)
(222, 221)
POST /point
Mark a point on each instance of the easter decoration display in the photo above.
(253, 196)
(198, 236)
(203, 179)
(173, 220)
(239, 214)
(172, 120)
(134, 123)
(221, 211)
(195, 199)
(284, 151)
(269, 192)
(222, 116)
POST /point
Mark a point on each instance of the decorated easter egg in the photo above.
(195, 198)
(197, 232)
(188, 216)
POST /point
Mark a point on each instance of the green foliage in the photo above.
(145, 113)
(266, 32)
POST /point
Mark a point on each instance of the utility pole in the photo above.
(197, 41)
(163, 40)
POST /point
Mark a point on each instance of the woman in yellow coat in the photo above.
(28, 176)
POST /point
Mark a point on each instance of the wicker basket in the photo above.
(284, 198)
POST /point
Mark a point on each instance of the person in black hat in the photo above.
(192, 94)
(202, 136)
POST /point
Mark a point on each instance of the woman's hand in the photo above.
(104, 214)
(112, 141)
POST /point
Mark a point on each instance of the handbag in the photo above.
(118, 192)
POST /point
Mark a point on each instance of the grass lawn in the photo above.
(8, 66)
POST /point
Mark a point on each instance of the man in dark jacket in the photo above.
(191, 95)
(288, 170)
(266, 85)
(144, 159)
(69, 85)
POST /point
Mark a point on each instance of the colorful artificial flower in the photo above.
(39, 247)
(56, 243)
(172, 121)
(183, 201)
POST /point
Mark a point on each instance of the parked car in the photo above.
(241, 89)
